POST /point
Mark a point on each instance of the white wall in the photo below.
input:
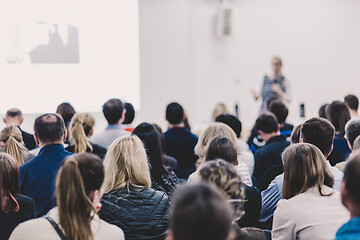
(181, 59)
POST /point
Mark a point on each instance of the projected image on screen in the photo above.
(76, 51)
(45, 42)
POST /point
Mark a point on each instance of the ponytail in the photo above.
(81, 124)
(12, 138)
(75, 207)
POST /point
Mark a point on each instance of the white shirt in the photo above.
(41, 229)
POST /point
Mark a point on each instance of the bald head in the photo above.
(13, 116)
(49, 128)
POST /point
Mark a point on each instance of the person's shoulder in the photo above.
(24, 199)
(24, 229)
(98, 148)
(112, 231)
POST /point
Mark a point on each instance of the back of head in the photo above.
(215, 129)
(13, 112)
(224, 176)
(322, 111)
(320, 132)
(352, 177)
(174, 113)
(267, 123)
(356, 144)
(49, 128)
(304, 167)
(9, 184)
(232, 121)
(352, 101)
(13, 116)
(126, 164)
(221, 147)
(151, 139)
(13, 143)
(295, 135)
(279, 109)
(220, 108)
(129, 113)
(199, 212)
(78, 178)
(352, 130)
(338, 114)
(113, 110)
(80, 127)
(67, 111)
(161, 135)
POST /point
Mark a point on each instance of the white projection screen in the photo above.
(80, 51)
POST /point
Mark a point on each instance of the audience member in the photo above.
(295, 135)
(129, 117)
(78, 192)
(161, 178)
(11, 142)
(350, 197)
(275, 85)
(319, 132)
(14, 116)
(81, 129)
(113, 111)
(221, 129)
(14, 207)
(322, 111)
(186, 122)
(179, 141)
(338, 114)
(199, 212)
(246, 156)
(279, 109)
(352, 103)
(220, 108)
(268, 162)
(66, 111)
(37, 176)
(129, 202)
(311, 209)
(170, 163)
(247, 201)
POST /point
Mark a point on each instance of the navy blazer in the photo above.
(37, 177)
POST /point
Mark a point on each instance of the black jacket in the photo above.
(9, 221)
(252, 207)
(268, 163)
(142, 213)
(28, 139)
(97, 150)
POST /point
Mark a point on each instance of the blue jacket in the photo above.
(37, 177)
(350, 230)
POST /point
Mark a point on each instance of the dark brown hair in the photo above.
(9, 183)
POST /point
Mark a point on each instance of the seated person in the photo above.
(319, 132)
(350, 197)
(129, 117)
(179, 141)
(353, 104)
(199, 212)
(127, 184)
(268, 162)
(78, 194)
(311, 209)
(338, 114)
(81, 129)
(246, 156)
(14, 207)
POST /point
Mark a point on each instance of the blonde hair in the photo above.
(80, 175)
(12, 138)
(126, 164)
(224, 176)
(220, 108)
(214, 130)
(80, 126)
(305, 167)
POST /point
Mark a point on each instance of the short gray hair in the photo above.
(352, 130)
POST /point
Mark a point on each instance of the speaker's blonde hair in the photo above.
(13, 143)
(126, 164)
(80, 126)
(214, 130)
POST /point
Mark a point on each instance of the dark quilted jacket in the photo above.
(142, 213)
